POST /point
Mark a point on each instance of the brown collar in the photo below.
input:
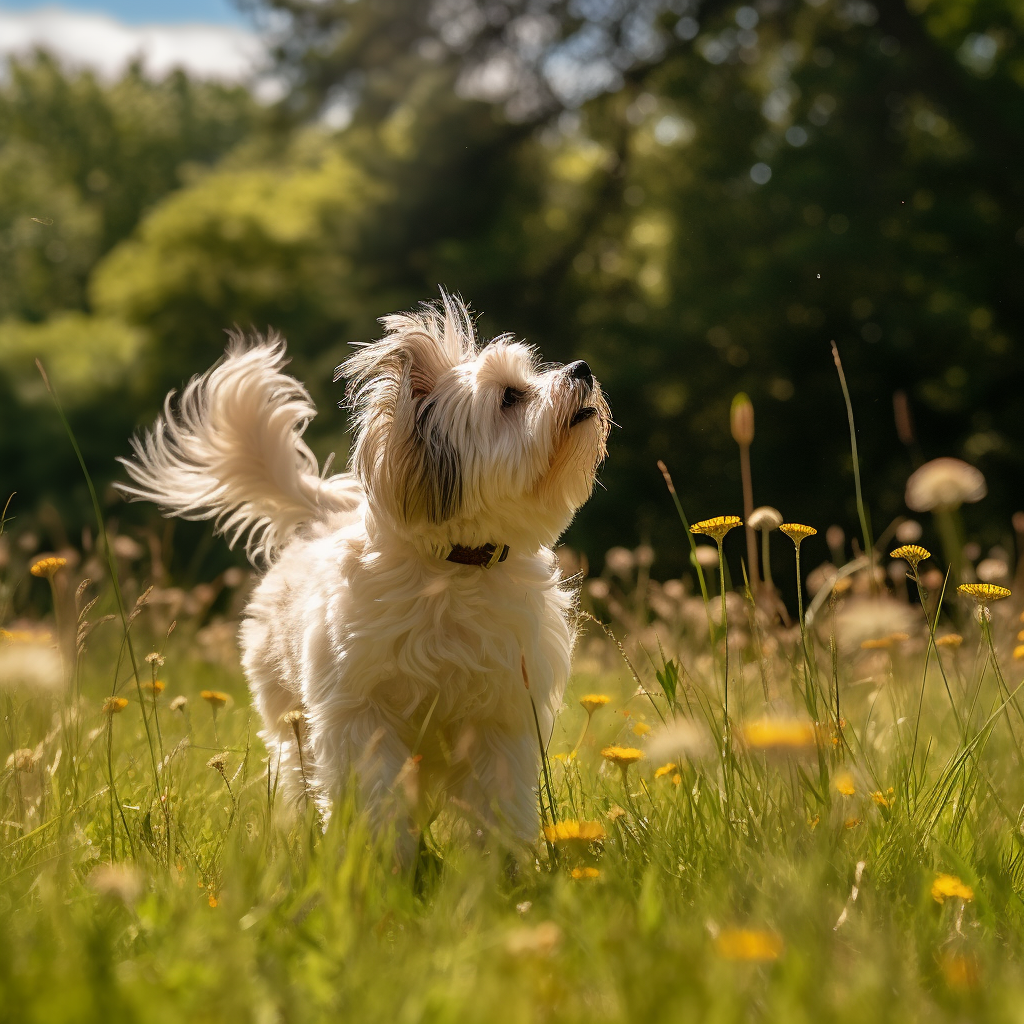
(487, 556)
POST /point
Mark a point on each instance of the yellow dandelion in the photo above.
(214, 698)
(947, 886)
(114, 705)
(779, 734)
(641, 729)
(155, 688)
(592, 701)
(884, 799)
(982, 592)
(572, 831)
(750, 944)
(960, 972)
(582, 874)
(666, 769)
(622, 756)
(852, 822)
(717, 527)
(1018, 652)
(1020, 637)
(47, 568)
(912, 553)
(949, 640)
(212, 900)
(843, 783)
(797, 532)
(885, 642)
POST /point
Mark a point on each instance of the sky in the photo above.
(144, 12)
(209, 38)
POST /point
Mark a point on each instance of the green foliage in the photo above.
(623, 223)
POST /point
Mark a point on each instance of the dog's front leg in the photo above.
(364, 743)
(500, 786)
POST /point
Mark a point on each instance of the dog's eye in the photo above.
(510, 397)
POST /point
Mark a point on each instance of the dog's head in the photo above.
(472, 444)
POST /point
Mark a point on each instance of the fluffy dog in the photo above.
(405, 602)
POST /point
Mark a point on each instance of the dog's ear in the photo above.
(402, 452)
(429, 484)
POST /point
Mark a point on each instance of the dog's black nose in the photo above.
(580, 371)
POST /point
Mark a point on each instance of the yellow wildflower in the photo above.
(48, 567)
(912, 553)
(797, 532)
(641, 729)
(666, 769)
(214, 698)
(114, 705)
(844, 784)
(572, 831)
(614, 813)
(156, 687)
(946, 886)
(884, 799)
(852, 822)
(779, 734)
(949, 640)
(592, 701)
(885, 642)
(982, 592)
(748, 944)
(960, 972)
(622, 756)
(584, 873)
(717, 527)
(1018, 652)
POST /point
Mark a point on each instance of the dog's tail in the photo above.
(231, 449)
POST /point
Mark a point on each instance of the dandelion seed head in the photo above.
(116, 881)
(218, 762)
(944, 483)
(179, 703)
(765, 518)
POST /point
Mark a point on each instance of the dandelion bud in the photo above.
(741, 419)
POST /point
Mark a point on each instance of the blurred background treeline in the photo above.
(696, 197)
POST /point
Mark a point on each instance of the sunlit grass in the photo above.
(801, 865)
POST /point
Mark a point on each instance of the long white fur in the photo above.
(231, 449)
(388, 650)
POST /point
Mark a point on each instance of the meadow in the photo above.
(844, 844)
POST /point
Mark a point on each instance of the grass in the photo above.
(761, 879)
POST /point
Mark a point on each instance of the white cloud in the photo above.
(99, 42)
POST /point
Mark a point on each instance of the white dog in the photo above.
(407, 601)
